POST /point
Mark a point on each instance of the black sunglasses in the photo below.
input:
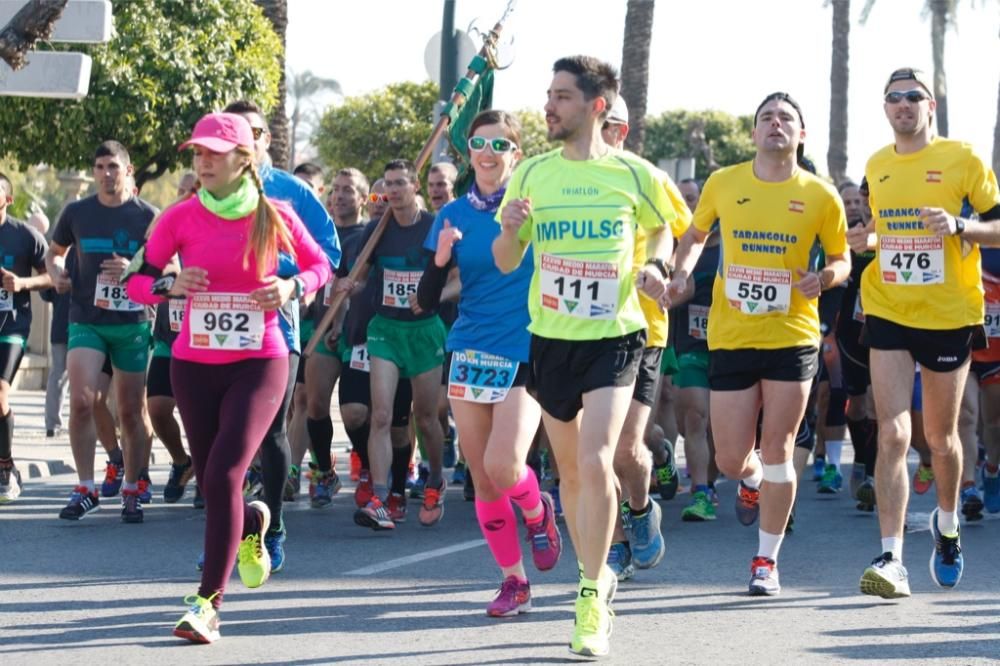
(911, 96)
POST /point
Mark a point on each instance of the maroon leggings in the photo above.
(226, 409)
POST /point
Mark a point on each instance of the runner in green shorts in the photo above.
(104, 231)
(404, 341)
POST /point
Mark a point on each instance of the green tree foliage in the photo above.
(367, 131)
(714, 138)
(534, 133)
(169, 62)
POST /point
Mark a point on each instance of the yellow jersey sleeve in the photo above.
(706, 214)
(918, 279)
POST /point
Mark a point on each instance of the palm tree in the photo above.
(277, 13)
(836, 154)
(301, 88)
(942, 17)
(942, 13)
(635, 68)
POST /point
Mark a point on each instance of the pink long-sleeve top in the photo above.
(204, 240)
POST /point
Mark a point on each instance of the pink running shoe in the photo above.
(513, 598)
(546, 541)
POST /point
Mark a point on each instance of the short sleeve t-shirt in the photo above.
(493, 310)
(582, 232)
(22, 249)
(690, 320)
(918, 279)
(398, 260)
(768, 230)
(97, 232)
(657, 332)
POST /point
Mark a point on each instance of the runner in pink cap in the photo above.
(230, 361)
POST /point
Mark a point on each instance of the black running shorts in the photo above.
(937, 350)
(739, 369)
(562, 371)
(647, 378)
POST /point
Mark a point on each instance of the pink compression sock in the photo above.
(499, 526)
(526, 494)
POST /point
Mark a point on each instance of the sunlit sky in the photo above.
(705, 54)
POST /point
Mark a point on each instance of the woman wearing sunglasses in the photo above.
(487, 369)
(230, 360)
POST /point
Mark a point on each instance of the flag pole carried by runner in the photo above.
(476, 86)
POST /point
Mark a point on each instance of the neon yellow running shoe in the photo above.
(253, 561)
(200, 623)
(593, 627)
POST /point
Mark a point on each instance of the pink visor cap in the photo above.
(220, 133)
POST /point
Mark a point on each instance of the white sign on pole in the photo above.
(58, 75)
(49, 74)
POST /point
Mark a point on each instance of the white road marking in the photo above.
(419, 557)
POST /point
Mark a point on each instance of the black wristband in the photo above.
(659, 263)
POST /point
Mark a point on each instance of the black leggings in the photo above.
(226, 409)
(275, 454)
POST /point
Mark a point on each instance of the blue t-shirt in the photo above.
(493, 307)
(284, 186)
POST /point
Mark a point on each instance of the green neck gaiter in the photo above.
(239, 204)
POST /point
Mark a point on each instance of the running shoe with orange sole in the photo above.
(375, 515)
(432, 508)
(923, 479)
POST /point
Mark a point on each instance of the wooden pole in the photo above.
(360, 265)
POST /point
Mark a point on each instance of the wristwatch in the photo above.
(659, 263)
(300, 287)
(959, 226)
(163, 285)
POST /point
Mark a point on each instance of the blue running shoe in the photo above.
(620, 561)
(946, 562)
(972, 503)
(145, 487)
(819, 466)
(832, 481)
(114, 476)
(274, 542)
(991, 492)
(458, 476)
(648, 546)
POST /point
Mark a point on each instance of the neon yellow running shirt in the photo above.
(582, 228)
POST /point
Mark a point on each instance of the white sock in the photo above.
(947, 522)
(769, 544)
(833, 450)
(89, 485)
(893, 545)
(756, 477)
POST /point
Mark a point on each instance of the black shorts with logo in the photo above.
(647, 378)
(563, 370)
(739, 369)
(937, 350)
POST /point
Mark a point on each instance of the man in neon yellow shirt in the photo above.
(579, 207)
(923, 300)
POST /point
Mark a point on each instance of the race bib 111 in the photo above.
(582, 289)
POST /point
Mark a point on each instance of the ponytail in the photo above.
(269, 233)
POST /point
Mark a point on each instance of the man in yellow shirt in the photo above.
(923, 301)
(763, 325)
(633, 463)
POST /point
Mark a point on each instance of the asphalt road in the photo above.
(100, 591)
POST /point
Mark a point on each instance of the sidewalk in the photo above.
(40, 456)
